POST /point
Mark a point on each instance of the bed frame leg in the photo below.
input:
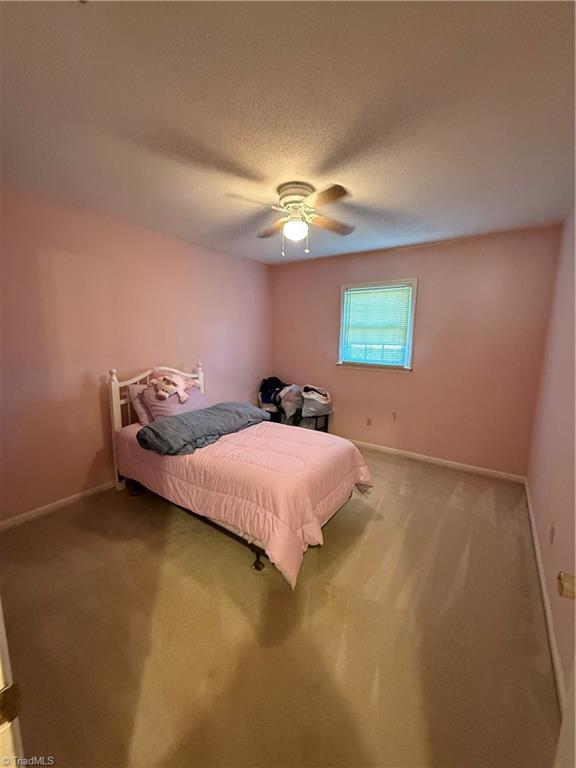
(258, 565)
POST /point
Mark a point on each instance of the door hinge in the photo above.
(9, 703)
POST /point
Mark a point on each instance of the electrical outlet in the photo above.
(368, 421)
(552, 533)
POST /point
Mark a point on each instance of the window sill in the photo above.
(375, 367)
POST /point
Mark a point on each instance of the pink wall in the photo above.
(82, 293)
(77, 295)
(481, 319)
(551, 473)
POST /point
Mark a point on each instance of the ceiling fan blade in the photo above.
(276, 227)
(332, 224)
(329, 195)
(251, 200)
(235, 229)
(379, 217)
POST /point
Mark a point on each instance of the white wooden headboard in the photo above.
(121, 411)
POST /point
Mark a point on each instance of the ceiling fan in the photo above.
(299, 202)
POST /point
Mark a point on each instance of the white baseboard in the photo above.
(44, 510)
(556, 661)
(442, 462)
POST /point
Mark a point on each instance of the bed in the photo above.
(271, 484)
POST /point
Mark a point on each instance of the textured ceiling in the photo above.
(442, 119)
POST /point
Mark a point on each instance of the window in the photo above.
(377, 323)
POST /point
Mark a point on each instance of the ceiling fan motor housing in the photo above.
(294, 192)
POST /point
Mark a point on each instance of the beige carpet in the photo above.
(142, 637)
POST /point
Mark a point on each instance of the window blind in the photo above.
(376, 324)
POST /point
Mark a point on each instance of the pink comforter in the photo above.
(279, 484)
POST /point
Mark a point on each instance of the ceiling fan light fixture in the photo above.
(295, 230)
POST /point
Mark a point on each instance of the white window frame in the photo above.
(413, 281)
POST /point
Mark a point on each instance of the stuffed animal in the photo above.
(166, 386)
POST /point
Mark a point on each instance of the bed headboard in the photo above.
(121, 411)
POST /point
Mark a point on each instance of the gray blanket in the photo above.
(177, 435)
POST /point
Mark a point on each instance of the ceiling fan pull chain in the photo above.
(282, 252)
(307, 249)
